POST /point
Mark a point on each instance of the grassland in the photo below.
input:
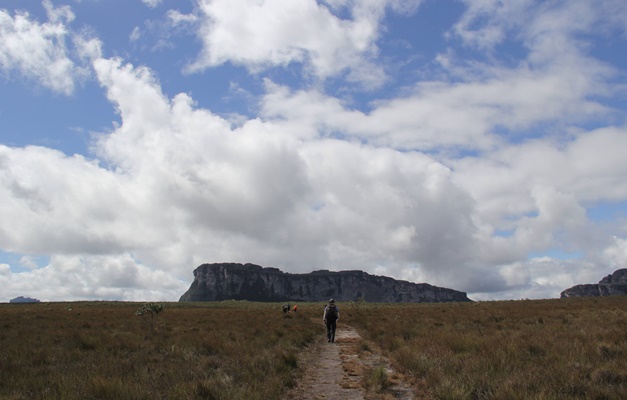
(549, 349)
(231, 350)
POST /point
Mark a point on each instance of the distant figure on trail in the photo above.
(286, 308)
(295, 308)
(330, 317)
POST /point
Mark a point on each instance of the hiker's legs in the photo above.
(333, 326)
(329, 325)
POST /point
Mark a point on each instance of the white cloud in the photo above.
(83, 277)
(135, 34)
(485, 22)
(455, 182)
(546, 28)
(38, 51)
(71, 205)
(87, 48)
(177, 18)
(28, 262)
(616, 253)
(503, 181)
(58, 14)
(541, 278)
(5, 269)
(443, 115)
(152, 3)
(261, 34)
(184, 185)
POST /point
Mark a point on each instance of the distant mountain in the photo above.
(612, 285)
(230, 281)
(23, 299)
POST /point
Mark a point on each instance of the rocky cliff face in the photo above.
(216, 282)
(612, 285)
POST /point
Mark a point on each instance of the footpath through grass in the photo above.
(546, 349)
(230, 350)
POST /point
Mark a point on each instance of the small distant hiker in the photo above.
(330, 317)
(295, 308)
(286, 308)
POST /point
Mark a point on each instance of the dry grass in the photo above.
(549, 349)
(376, 380)
(231, 350)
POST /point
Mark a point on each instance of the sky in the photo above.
(477, 145)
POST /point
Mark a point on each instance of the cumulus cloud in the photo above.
(61, 209)
(39, 51)
(276, 33)
(506, 182)
(457, 181)
(84, 277)
(181, 181)
(182, 184)
(28, 262)
(542, 277)
(5, 269)
(442, 115)
(616, 253)
(258, 180)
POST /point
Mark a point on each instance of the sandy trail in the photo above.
(335, 371)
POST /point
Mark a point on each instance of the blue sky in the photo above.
(476, 145)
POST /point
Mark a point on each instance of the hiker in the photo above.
(330, 317)
(295, 308)
(286, 308)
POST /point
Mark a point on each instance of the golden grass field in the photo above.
(541, 349)
(102, 351)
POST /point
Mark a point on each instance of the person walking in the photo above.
(330, 317)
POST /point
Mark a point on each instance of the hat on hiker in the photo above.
(331, 301)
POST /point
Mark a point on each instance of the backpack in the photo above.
(331, 313)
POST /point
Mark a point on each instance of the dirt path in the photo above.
(336, 371)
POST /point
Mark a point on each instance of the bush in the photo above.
(149, 314)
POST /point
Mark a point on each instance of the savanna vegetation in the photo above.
(545, 349)
(229, 350)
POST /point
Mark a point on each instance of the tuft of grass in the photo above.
(375, 380)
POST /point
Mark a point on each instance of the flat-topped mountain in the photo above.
(22, 299)
(614, 284)
(230, 281)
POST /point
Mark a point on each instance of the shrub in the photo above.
(149, 314)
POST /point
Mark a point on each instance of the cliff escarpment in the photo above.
(230, 281)
(614, 284)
